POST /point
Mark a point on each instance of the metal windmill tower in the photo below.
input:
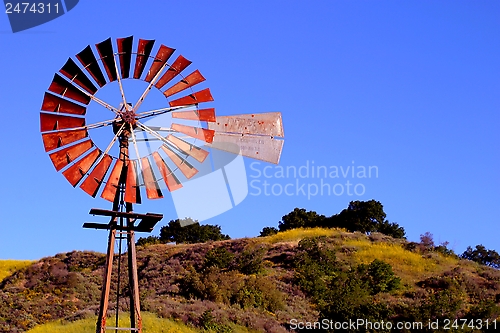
(119, 179)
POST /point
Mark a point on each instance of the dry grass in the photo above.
(7, 267)
(410, 266)
(151, 323)
(295, 235)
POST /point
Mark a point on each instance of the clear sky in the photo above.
(410, 88)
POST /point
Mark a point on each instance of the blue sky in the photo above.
(409, 87)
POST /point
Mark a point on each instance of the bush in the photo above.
(251, 261)
(379, 276)
(299, 218)
(208, 322)
(481, 255)
(232, 288)
(191, 232)
(218, 257)
(315, 266)
(268, 231)
(148, 241)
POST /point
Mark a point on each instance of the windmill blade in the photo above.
(177, 67)
(111, 187)
(170, 179)
(52, 122)
(62, 87)
(105, 49)
(257, 147)
(76, 172)
(93, 182)
(195, 98)
(57, 104)
(125, 54)
(189, 81)
(152, 188)
(143, 52)
(132, 189)
(186, 168)
(67, 155)
(75, 74)
(206, 135)
(89, 61)
(164, 53)
(56, 140)
(269, 124)
(201, 115)
(187, 148)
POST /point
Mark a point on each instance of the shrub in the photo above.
(218, 257)
(151, 240)
(379, 276)
(300, 218)
(315, 265)
(207, 321)
(268, 231)
(483, 256)
(191, 232)
(251, 261)
(232, 288)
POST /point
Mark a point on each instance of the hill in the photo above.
(263, 284)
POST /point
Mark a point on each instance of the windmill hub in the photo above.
(128, 116)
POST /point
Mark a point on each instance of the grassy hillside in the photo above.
(151, 324)
(258, 285)
(7, 267)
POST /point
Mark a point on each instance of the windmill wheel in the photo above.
(67, 133)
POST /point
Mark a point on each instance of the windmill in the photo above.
(120, 174)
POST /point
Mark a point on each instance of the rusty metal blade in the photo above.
(93, 182)
(206, 135)
(269, 124)
(54, 103)
(170, 179)
(143, 52)
(125, 54)
(152, 188)
(201, 115)
(109, 191)
(196, 152)
(67, 155)
(76, 172)
(52, 122)
(187, 169)
(161, 58)
(189, 81)
(132, 189)
(62, 87)
(175, 69)
(258, 147)
(195, 98)
(56, 140)
(105, 49)
(75, 74)
(89, 61)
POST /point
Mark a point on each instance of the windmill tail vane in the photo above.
(182, 145)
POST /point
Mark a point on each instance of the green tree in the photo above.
(268, 231)
(367, 217)
(191, 233)
(483, 256)
(300, 218)
(144, 241)
(379, 276)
